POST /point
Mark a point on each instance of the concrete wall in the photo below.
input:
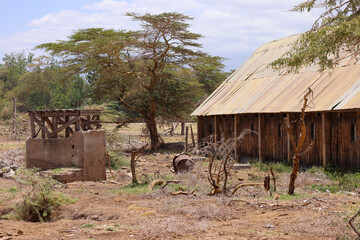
(82, 150)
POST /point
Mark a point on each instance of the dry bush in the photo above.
(170, 227)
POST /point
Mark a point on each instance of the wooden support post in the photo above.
(323, 138)
(186, 138)
(199, 129)
(77, 124)
(288, 138)
(55, 127)
(235, 138)
(67, 130)
(14, 116)
(32, 125)
(260, 134)
(192, 136)
(42, 129)
(215, 128)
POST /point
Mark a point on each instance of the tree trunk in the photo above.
(293, 175)
(182, 128)
(154, 136)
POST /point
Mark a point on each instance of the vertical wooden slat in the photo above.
(215, 128)
(288, 138)
(260, 137)
(55, 126)
(323, 137)
(67, 130)
(32, 125)
(235, 138)
(199, 130)
(42, 131)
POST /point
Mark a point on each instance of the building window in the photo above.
(353, 132)
(318, 114)
(280, 130)
(312, 129)
(256, 116)
(271, 115)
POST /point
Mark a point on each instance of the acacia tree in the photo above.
(336, 30)
(134, 67)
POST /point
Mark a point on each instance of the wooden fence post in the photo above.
(14, 116)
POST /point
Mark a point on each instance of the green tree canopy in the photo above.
(336, 30)
(143, 70)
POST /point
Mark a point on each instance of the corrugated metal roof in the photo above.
(256, 88)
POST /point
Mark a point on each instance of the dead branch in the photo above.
(244, 185)
(238, 200)
(161, 182)
(297, 147)
(182, 193)
(273, 178)
(267, 183)
(108, 160)
(134, 152)
(351, 224)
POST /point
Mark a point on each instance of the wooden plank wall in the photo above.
(332, 142)
(344, 152)
(247, 149)
(274, 137)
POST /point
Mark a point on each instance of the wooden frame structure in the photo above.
(52, 122)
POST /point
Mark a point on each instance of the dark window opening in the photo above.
(312, 131)
(353, 132)
(252, 130)
(256, 116)
(245, 116)
(271, 115)
(318, 114)
(284, 115)
(279, 130)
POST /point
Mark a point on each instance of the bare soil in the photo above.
(113, 210)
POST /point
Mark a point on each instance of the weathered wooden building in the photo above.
(264, 100)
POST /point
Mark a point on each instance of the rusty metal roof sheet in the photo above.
(256, 88)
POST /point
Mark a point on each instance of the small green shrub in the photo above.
(87, 225)
(277, 166)
(40, 200)
(132, 189)
(327, 188)
(315, 169)
(118, 160)
(110, 229)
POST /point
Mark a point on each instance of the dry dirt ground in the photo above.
(114, 210)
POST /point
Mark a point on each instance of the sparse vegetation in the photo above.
(40, 200)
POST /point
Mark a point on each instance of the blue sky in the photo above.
(232, 29)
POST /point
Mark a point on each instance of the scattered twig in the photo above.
(182, 193)
(108, 158)
(351, 224)
(244, 185)
(273, 178)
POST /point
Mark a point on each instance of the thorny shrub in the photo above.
(40, 200)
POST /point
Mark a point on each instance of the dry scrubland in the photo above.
(115, 209)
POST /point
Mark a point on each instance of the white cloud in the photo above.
(231, 28)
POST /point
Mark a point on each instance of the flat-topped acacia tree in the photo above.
(138, 68)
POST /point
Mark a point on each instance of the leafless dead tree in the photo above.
(298, 146)
(135, 154)
(221, 158)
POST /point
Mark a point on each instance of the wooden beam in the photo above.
(235, 138)
(41, 124)
(260, 134)
(288, 138)
(32, 125)
(64, 126)
(47, 120)
(215, 128)
(67, 130)
(55, 126)
(323, 138)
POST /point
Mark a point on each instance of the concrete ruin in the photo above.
(81, 146)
